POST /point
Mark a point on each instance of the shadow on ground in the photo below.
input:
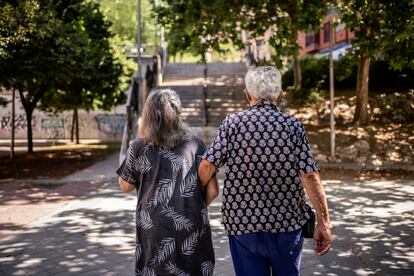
(95, 236)
(376, 220)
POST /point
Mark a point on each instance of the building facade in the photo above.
(317, 42)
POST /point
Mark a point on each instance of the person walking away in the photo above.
(149, 78)
(173, 235)
(269, 166)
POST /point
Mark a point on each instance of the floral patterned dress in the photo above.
(173, 231)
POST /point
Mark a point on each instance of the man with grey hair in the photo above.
(269, 167)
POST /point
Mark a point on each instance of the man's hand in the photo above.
(208, 181)
(125, 186)
(322, 239)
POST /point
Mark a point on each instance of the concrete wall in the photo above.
(102, 125)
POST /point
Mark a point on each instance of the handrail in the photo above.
(128, 124)
(131, 121)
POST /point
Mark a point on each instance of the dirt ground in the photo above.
(54, 161)
(388, 139)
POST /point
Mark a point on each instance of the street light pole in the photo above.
(155, 29)
(139, 73)
(331, 87)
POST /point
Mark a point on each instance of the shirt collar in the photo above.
(266, 104)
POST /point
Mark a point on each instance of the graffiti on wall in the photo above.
(104, 126)
(53, 127)
(20, 122)
(110, 123)
(83, 123)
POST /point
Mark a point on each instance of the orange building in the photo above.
(317, 42)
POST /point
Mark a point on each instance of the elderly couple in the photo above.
(269, 166)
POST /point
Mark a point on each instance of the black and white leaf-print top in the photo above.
(266, 151)
(173, 231)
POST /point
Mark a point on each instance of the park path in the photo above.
(94, 234)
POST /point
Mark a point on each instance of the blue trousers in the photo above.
(265, 254)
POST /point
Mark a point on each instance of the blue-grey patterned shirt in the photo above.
(173, 232)
(266, 151)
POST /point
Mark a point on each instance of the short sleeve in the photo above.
(127, 170)
(303, 153)
(216, 154)
(201, 150)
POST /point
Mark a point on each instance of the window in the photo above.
(340, 27)
(310, 39)
(326, 33)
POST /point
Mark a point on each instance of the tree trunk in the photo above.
(72, 129)
(29, 131)
(13, 123)
(297, 73)
(293, 14)
(29, 111)
(77, 126)
(361, 109)
(29, 106)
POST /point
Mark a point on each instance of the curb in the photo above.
(366, 167)
(54, 182)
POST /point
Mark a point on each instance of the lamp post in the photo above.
(139, 73)
(331, 83)
(155, 4)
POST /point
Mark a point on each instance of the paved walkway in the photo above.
(94, 234)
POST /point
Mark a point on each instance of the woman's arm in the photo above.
(125, 186)
(208, 181)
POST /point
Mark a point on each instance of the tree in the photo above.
(95, 74)
(201, 25)
(299, 16)
(31, 53)
(46, 46)
(383, 29)
(123, 15)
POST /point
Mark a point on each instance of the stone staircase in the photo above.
(222, 100)
(206, 102)
(192, 102)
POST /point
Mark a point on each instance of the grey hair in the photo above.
(161, 123)
(264, 83)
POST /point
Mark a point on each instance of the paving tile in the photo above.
(94, 235)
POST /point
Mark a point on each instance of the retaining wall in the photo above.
(102, 125)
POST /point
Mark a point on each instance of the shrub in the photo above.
(3, 102)
(315, 77)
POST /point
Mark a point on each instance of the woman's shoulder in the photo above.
(137, 144)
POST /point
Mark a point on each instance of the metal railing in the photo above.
(129, 122)
(136, 96)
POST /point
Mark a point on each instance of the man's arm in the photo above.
(208, 181)
(125, 186)
(322, 237)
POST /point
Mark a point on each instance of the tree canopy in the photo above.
(197, 26)
(123, 15)
(383, 30)
(57, 53)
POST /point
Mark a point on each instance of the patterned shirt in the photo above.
(173, 235)
(266, 151)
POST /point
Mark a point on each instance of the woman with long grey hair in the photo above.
(173, 232)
